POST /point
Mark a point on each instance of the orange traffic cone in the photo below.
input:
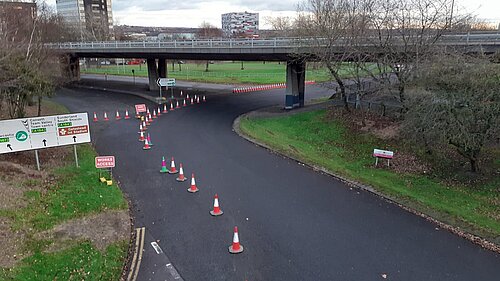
(106, 116)
(198, 100)
(171, 106)
(95, 117)
(147, 121)
(172, 170)
(147, 111)
(236, 248)
(118, 115)
(192, 102)
(150, 117)
(126, 114)
(141, 137)
(181, 94)
(146, 145)
(154, 114)
(159, 111)
(193, 187)
(181, 174)
(177, 105)
(216, 211)
(187, 96)
(144, 127)
(204, 99)
(184, 103)
(164, 108)
(141, 129)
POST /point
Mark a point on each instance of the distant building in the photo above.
(93, 16)
(18, 15)
(243, 24)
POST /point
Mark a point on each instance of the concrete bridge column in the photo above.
(162, 70)
(295, 84)
(152, 74)
(70, 67)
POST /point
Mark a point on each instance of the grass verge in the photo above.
(221, 72)
(51, 198)
(314, 139)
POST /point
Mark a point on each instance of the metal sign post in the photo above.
(37, 160)
(76, 156)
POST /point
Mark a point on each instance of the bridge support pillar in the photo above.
(70, 67)
(152, 74)
(162, 70)
(295, 84)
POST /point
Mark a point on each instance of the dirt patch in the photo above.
(10, 244)
(101, 229)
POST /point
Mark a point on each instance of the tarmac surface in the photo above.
(295, 223)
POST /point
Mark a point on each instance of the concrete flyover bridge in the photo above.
(295, 51)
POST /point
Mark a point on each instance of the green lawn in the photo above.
(219, 72)
(75, 193)
(313, 139)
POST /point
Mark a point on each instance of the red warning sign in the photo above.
(140, 108)
(68, 131)
(104, 162)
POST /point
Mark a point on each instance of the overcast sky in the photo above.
(191, 13)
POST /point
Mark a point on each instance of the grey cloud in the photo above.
(153, 5)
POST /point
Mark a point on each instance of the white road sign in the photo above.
(164, 82)
(42, 132)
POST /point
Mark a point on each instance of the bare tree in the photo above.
(208, 31)
(456, 103)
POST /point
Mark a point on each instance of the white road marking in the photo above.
(157, 248)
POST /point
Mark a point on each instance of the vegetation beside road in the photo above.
(41, 220)
(322, 139)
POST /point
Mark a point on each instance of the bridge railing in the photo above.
(457, 39)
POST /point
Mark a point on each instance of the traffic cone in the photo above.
(141, 137)
(149, 140)
(164, 108)
(181, 93)
(159, 112)
(147, 111)
(187, 96)
(118, 115)
(172, 170)
(154, 114)
(216, 211)
(184, 103)
(126, 114)
(195, 96)
(171, 106)
(204, 99)
(137, 115)
(144, 127)
(177, 105)
(146, 145)
(150, 117)
(106, 117)
(141, 129)
(163, 165)
(193, 187)
(181, 174)
(198, 100)
(236, 248)
(95, 117)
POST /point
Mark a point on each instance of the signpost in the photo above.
(139, 108)
(44, 132)
(386, 154)
(166, 82)
(105, 162)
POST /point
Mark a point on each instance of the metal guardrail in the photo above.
(461, 39)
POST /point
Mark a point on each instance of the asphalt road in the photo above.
(294, 223)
